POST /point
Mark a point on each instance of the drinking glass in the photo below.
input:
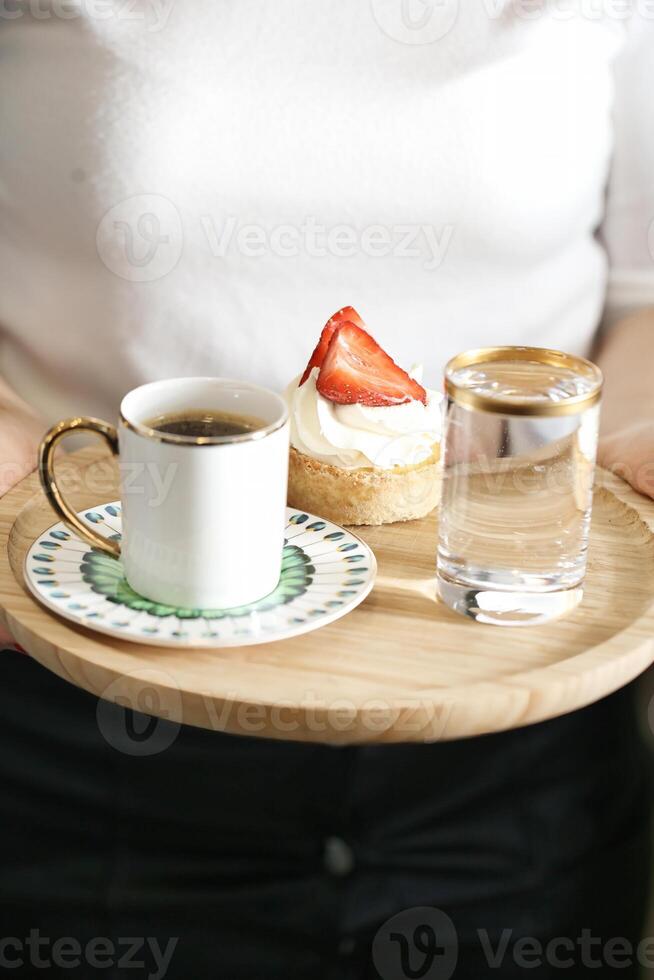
(520, 440)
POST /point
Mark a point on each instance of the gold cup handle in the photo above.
(46, 471)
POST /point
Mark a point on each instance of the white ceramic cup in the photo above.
(203, 519)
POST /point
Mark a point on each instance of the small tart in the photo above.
(366, 495)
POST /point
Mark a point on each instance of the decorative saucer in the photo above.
(326, 572)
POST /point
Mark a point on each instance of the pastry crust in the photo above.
(367, 495)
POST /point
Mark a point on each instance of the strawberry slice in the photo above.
(356, 370)
(347, 314)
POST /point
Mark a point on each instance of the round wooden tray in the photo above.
(400, 668)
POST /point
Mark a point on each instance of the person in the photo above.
(192, 188)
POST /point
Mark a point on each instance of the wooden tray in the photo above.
(400, 668)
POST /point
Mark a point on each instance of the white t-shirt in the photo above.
(194, 186)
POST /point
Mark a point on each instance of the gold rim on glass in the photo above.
(526, 406)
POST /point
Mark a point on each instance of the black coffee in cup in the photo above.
(204, 424)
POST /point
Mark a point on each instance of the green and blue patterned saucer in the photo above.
(326, 572)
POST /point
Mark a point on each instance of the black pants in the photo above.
(277, 860)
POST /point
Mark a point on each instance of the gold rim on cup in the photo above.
(141, 429)
(527, 406)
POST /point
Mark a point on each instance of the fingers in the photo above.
(6, 639)
(630, 455)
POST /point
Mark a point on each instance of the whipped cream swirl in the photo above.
(352, 436)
